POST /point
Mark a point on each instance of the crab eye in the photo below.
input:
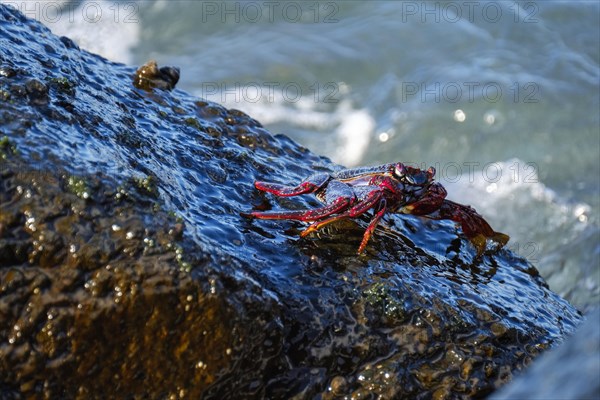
(400, 170)
(430, 172)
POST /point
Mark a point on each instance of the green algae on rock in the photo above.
(6, 147)
(104, 293)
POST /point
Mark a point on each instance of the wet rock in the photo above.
(37, 91)
(96, 287)
(551, 378)
(126, 269)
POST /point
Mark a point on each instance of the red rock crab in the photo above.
(388, 188)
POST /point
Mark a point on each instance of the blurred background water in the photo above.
(503, 98)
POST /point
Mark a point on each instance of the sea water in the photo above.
(501, 97)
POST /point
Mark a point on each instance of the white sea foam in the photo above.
(353, 128)
(512, 197)
(355, 133)
(514, 183)
(554, 234)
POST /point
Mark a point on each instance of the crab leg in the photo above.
(355, 211)
(371, 228)
(306, 215)
(473, 225)
(358, 209)
(310, 185)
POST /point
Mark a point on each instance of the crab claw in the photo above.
(477, 230)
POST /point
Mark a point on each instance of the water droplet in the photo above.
(459, 115)
(492, 187)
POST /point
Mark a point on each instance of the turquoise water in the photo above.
(502, 98)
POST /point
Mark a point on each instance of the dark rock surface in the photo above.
(126, 269)
(550, 376)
